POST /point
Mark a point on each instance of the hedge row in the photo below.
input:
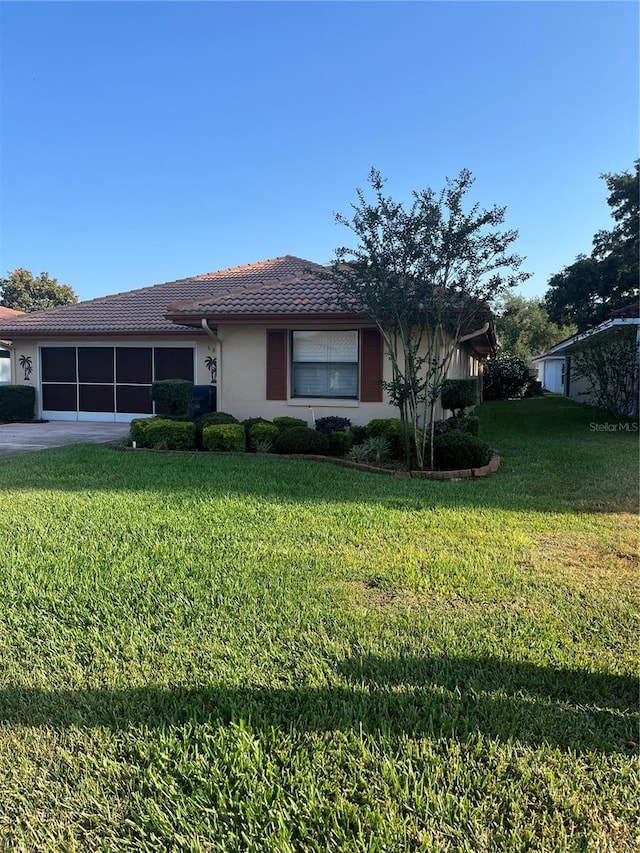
(456, 443)
(17, 403)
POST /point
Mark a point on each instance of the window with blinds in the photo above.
(324, 364)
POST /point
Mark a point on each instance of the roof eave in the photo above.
(270, 319)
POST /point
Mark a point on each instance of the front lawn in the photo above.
(203, 653)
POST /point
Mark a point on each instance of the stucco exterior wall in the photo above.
(241, 374)
(242, 382)
(29, 349)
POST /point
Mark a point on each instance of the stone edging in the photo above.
(463, 474)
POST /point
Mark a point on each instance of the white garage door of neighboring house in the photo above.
(5, 366)
(106, 383)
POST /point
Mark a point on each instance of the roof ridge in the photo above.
(173, 282)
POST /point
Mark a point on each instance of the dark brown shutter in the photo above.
(276, 364)
(370, 366)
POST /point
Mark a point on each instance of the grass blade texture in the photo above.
(219, 653)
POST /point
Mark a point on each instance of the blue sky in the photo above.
(143, 142)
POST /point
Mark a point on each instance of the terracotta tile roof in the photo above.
(142, 312)
(9, 312)
(296, 295)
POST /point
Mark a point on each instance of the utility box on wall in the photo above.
(204, 399)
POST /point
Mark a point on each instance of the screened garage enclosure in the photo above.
(107, 383)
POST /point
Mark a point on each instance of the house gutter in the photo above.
(481, 331)
(205, 325)
(207, 328)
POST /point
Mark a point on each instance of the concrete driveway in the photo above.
(22, 438)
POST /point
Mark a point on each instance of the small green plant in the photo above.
(358, 453)
(172, 396)
(459, 394)
(332, 423)
(377, 448)
(214, 419)
(301, 439)
(394, 431)
(261, 433)
(285, 421)
(374, 449)
(456, 450)
(339, 443)
(263, 446)
(468, 423)
(163, 434)
(358, 433)
(224, 438)
(248, 423)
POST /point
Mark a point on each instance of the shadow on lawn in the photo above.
(437, 697)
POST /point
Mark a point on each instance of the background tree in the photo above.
(22, 291)
(609, 363)
(524, 329)
(585, 292)
(424, 276)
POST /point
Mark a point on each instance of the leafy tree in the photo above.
(609, 364)
(22, 291)
(585, 292)
(524, 329)
(424, 275)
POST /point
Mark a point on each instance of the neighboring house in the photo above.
(551, 371)
(6, 371)
(268, 335)
(555, 366)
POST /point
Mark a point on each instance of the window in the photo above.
(324, 364)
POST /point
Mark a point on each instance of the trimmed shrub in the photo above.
(172, 396)
(469, 423)
(214, 419)
(332, 423)
(455, 450)
(248, 423)
(504, 377)
(393, 430)
(358, 434)
(340, 443)
(224, 438)
(284, 422)
(138, 431)
(17, 403)
(263, 433)
(459, 394)
(301, 439)
(163, 434)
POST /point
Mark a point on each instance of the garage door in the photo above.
(103, 383)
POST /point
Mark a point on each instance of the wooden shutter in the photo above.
(370, 366)
(276, 364)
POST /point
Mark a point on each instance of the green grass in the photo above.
(203, 653)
